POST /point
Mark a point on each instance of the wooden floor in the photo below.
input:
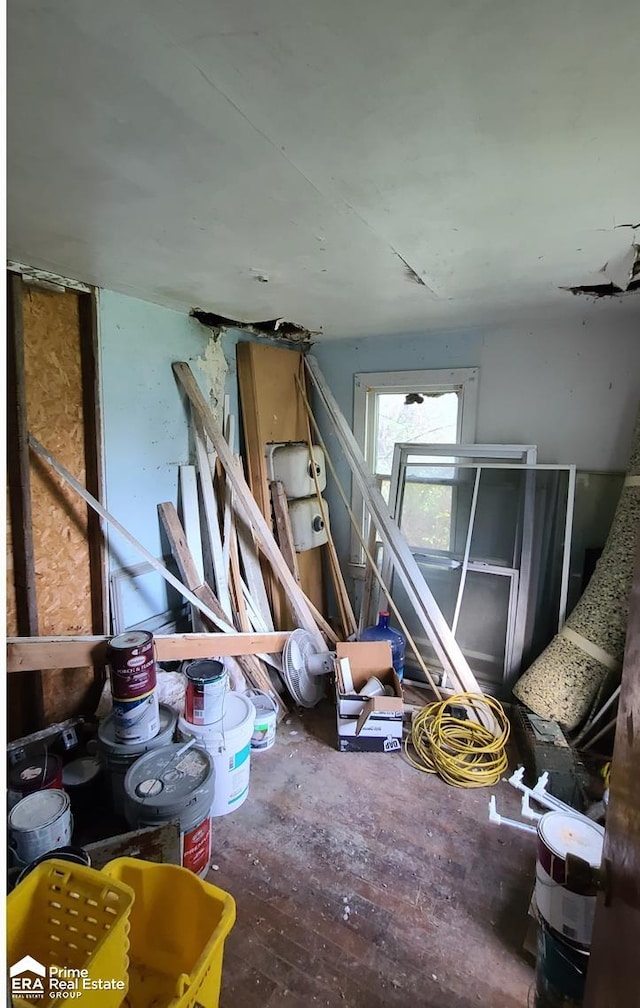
(361, 882)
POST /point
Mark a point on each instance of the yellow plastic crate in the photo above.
(64, 916)
(178, 927)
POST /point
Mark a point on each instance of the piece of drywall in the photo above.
(565, 382)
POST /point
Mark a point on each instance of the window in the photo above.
(410, 406)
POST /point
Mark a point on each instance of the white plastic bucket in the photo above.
(229, 744)
(39, 823)
(264, 729)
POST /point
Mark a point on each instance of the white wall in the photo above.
(568, 383)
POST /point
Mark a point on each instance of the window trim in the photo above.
(366, 388)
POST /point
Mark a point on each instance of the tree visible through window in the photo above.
(431, 417)
(413, 407)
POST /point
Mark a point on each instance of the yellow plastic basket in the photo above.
(67, 917)
(178, 927)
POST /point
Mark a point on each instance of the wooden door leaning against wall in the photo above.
(56, 580)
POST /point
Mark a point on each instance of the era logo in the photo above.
(27, 977)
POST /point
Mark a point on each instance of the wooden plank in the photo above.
(149, 557)
(347, 617)
(250, 666)
(253, 570)
(18, 469)
(369, 581)
(261, 530)
(206, 470)
(94, 458)
(420, 597)
(612, 980)
(160, 844)
(28, 654)
(25, 708)
(190, 514)
(284, 532)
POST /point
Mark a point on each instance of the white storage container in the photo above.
(307, 523)
(290, 463)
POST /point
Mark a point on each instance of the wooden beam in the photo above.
(93, 458)
(422, 601)
(18, 469)
(263, 533)
(206, 470)
(283, 526)
(32, 654)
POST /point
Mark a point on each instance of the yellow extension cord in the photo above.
(464, 753)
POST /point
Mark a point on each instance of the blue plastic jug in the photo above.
(383, 632)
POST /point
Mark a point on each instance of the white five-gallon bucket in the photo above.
(264, 729)
(229, 744)
(39, 823)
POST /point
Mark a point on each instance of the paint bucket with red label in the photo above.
(174, 782)
(34, 773)
(566, 900)
(207, 683)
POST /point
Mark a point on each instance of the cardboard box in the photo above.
(368, 724)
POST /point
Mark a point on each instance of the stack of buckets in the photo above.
(566, 901)
(222, 723)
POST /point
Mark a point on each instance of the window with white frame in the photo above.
(437, 406)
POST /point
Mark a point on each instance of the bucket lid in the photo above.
(34, 771)
(167, 778)
(564, 834)
(107, 734)
(37, 810)
(204, 670)
(130, 639)
(80, 771)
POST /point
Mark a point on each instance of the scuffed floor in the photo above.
(360, 882)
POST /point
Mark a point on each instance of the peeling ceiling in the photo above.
(353, 167)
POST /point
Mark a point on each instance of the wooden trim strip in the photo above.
(30, 654)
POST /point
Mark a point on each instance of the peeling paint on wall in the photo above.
(213, 365)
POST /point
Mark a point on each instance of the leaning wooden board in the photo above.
(272, 411)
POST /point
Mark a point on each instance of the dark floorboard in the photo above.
(360, 882)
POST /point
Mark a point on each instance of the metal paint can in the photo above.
(132, 664)
(207, 683)
(561, 971)
(137, 720)
(174, 782)
(565, 902)
(34, 773)
(39, 823)
(117, 757)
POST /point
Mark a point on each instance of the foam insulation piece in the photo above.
(586, 656)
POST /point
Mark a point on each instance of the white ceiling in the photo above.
(182, 150)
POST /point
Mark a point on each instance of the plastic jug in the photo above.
(382, 631)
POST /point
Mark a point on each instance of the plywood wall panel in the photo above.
(54, 409)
